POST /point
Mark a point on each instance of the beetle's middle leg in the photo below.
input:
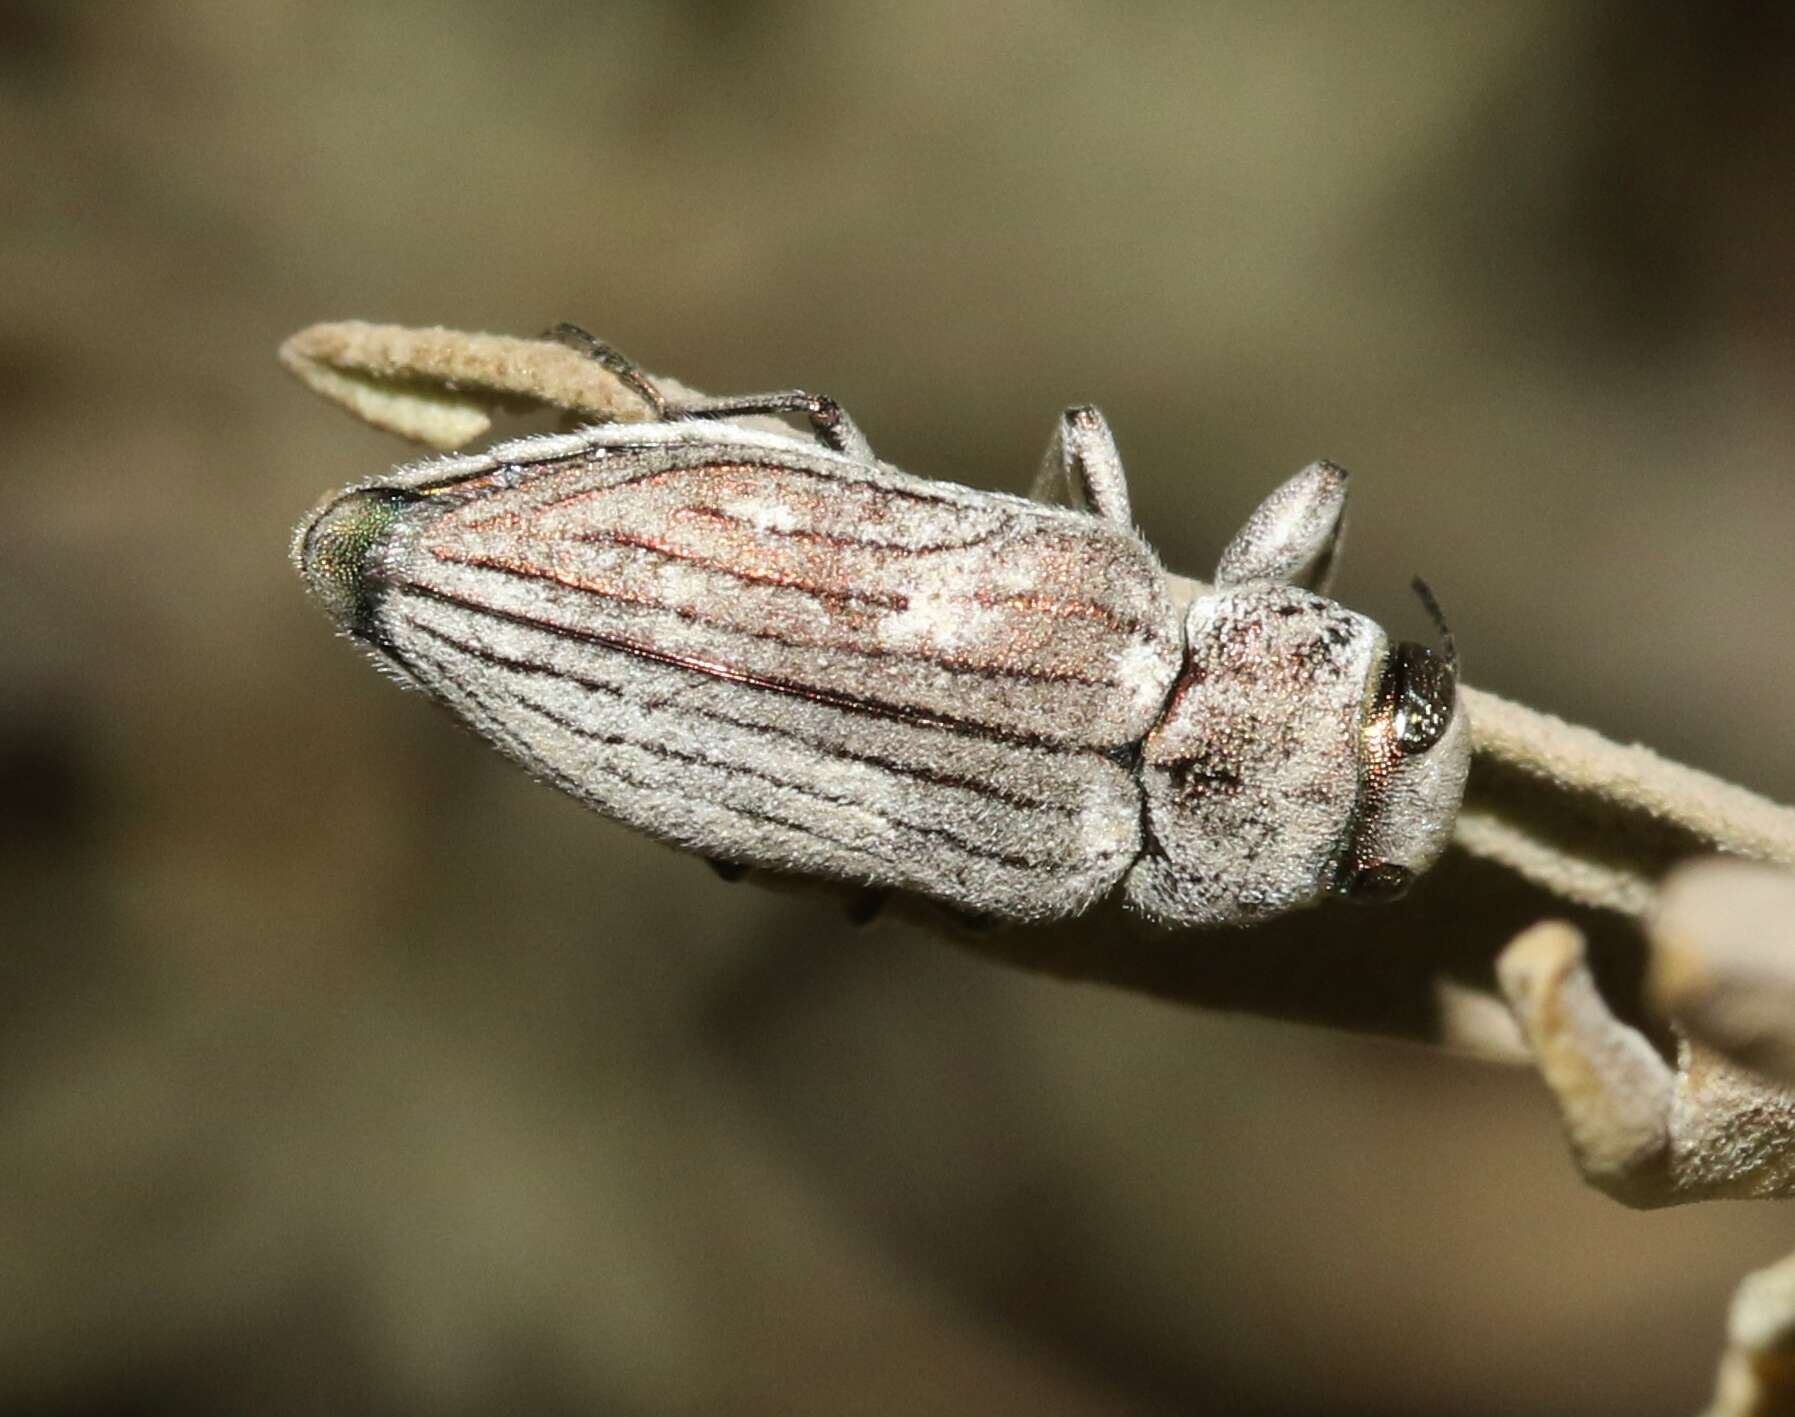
(1082, 468)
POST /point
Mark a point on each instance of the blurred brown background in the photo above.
(343, 1069)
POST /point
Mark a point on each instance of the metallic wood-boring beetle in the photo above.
(777, 651)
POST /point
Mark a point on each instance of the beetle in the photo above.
(777, 651)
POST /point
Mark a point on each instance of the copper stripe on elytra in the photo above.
(520, 570)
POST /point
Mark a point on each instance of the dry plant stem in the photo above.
(1757, 1371)
(441, 387)
(1599, 822)
(1647, 1133)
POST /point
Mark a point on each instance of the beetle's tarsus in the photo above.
(619, 363)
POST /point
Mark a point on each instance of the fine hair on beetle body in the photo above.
(777, 651)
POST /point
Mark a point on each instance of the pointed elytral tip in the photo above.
(332, 550)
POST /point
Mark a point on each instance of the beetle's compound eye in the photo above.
(1415, 751)
(1385, 881)
(333, 551)
(1418, 692)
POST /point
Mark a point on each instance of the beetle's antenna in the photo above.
(1448, 645)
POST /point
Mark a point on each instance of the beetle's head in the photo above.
(1414, 754)
(1301, 754)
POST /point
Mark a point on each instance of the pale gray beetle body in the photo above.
(788, 655)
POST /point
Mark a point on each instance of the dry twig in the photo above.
(1599, 822)
(1646, 1132)
(441, 387)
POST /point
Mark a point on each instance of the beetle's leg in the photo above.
(827, 417)
(1082, 469)
(1293, 536)
(616, 361)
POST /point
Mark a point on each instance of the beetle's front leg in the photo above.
(1293, 536)
(1081, 468)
